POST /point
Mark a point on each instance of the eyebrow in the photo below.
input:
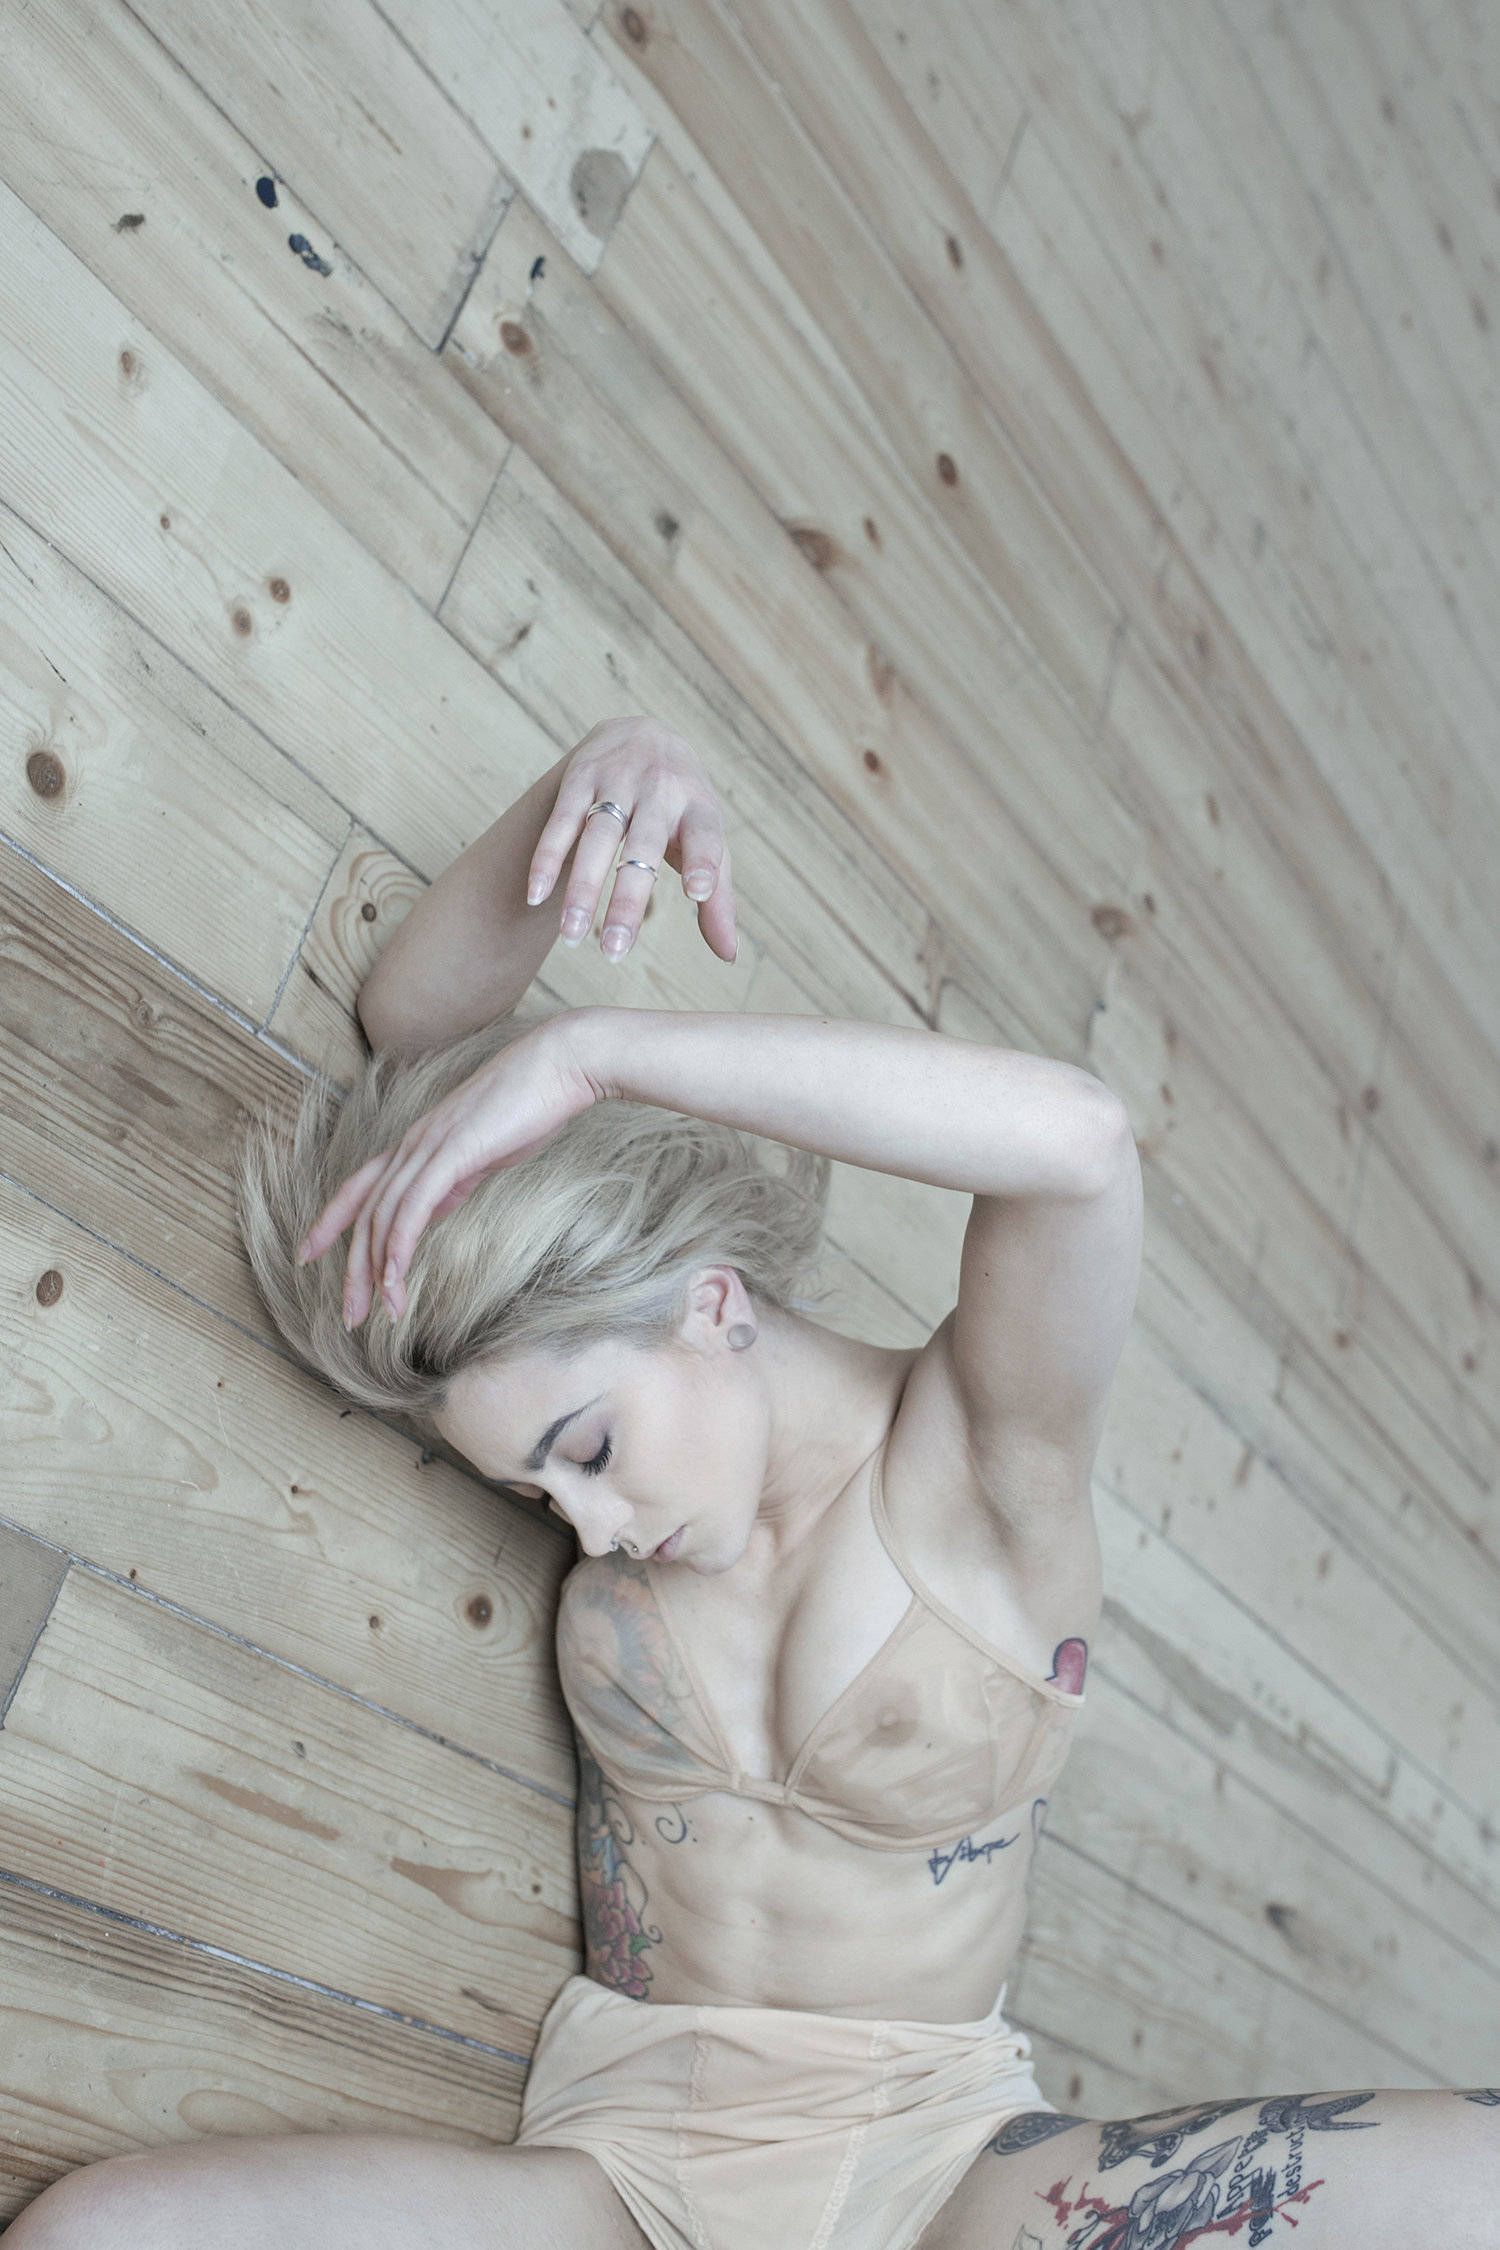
(544, 1444)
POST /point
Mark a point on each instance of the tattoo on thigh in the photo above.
(1488, 2097)
(1244, 2182)
(1029, 2129)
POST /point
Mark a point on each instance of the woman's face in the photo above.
(663, 1449)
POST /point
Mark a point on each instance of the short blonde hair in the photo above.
(595, 1236)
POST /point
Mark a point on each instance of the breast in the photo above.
(935, 1742)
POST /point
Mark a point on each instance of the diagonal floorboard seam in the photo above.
(289, 1664)
(259, 1968)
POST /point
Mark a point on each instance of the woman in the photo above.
(829, 1636)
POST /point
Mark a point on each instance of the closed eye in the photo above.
(600, 1462)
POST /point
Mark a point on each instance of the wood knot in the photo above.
(1112, 922)
(265, 188)
(130, 366)
(514, 337)
(872, 531)
(947, 468)
(242, 621)
(367, 912)
(375, 1622)
(50, 1287)
(666, 524)
(955, 251)
(633, 24)
(479, 1610)
(128, 221)
(1371, 1099)
(280, 590)
(872, 762)
(821, 551)
(165, 521)
(44, 770)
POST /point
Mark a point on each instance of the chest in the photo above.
(774, 1646)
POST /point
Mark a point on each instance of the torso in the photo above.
(723, 1899)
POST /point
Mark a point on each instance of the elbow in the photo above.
(1106, 1141)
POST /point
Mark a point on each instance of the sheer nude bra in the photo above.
(935, 1737)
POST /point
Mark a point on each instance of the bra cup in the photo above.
(933, 1746)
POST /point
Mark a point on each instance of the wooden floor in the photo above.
(1044, 453)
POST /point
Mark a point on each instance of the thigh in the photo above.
(1386, 2171)
(331, 2191)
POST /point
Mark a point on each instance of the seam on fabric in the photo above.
(838, 2194)
(684, 2118)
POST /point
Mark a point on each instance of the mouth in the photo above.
(668, 1548)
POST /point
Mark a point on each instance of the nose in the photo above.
(599, 1524)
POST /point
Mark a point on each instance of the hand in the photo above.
(656, 779)
(512, 1106)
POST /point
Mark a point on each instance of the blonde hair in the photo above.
(594, 1236)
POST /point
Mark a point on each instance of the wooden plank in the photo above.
(116, 2039)
(336, 103)
(124, 1092)
(1165, 1999)
(1303, 1633)
(30, 1575)
(176, 511)
(544, 99)
(176, 1776)
(554, 613)
(1079, 2082)
(120, 762)
(1171, 1821)
(365, 900)
(672, 276)
(989, 320)
(574, 389)
(309, 357)
(182, 1457)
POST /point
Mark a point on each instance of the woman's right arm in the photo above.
(470, 947)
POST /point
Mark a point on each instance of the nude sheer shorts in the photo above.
(771, 2128)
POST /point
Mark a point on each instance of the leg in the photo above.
(331, 2191)
(1382, 2171)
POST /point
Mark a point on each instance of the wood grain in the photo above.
(312, 358)
(337, 104)
(165, 1446)
(163, 1770)
(30, 1574)
(118, 2039)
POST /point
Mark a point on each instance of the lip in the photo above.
(669, 1547)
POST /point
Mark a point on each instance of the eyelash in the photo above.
(600, 1462)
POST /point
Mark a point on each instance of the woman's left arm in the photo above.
(1051, 1256)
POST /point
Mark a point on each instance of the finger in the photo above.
(337, 1214)
(701, 846)
(633, 885)
(592, 861)
(389, 1253)
(561, 833)
(412, 1208)
(716, 916)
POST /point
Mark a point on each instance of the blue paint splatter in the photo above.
(308, 254)
(266, 189)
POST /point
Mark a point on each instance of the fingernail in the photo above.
(616, 941)
(348, 1314)
(734, 956)
(388, 1278)
(304, 1252)
(574, 925)
(700, 883)
(390, 1310)
(536, 891)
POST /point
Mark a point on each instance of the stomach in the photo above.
(725, 1901)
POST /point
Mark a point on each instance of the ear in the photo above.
(716, 1300)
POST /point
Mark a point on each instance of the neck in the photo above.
(831, 1402)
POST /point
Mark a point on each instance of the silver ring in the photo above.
(604, 804)
(647, 865)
